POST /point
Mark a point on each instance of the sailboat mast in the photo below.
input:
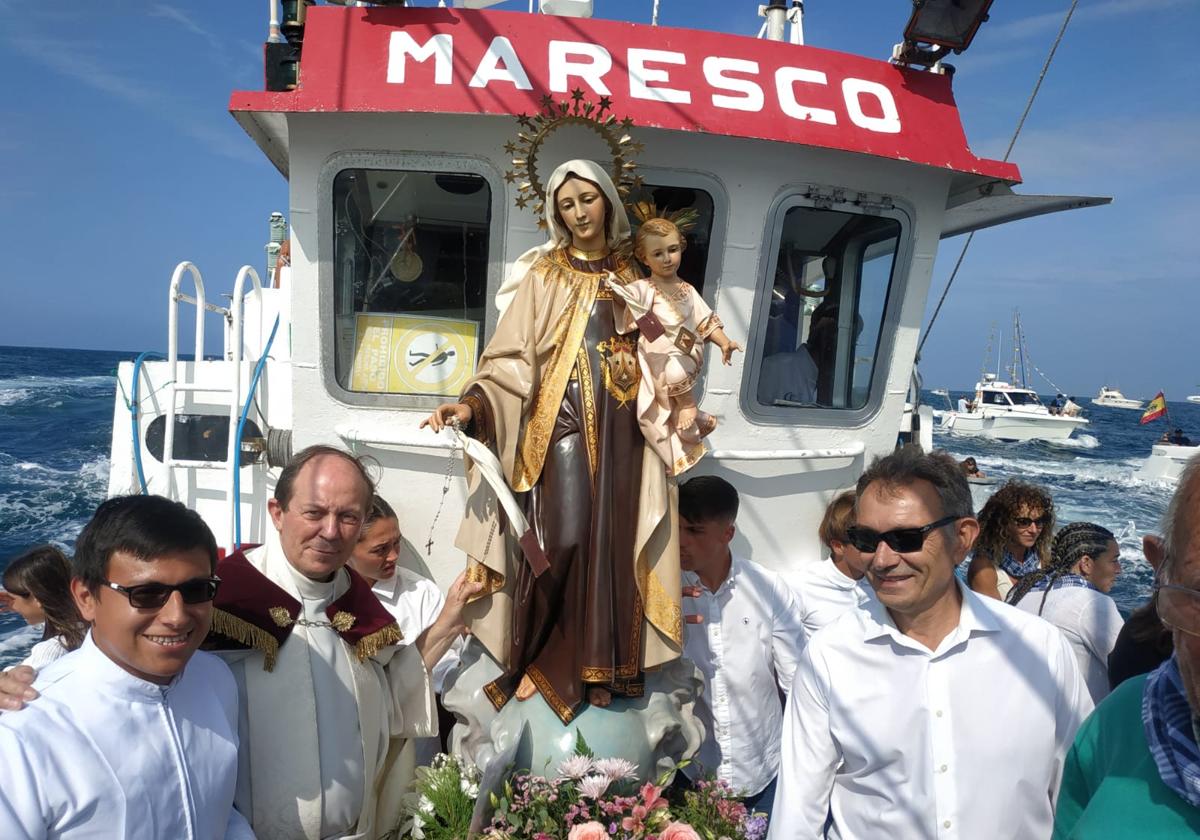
(1015, 370)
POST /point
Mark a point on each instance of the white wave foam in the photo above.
(12, 396)
(15, 644)
(1080, 442)
(56, 382)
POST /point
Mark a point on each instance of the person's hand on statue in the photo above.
(449, 625)
(442, 415)
(15, 688)
(692, 618)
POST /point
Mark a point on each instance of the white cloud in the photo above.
(73, 63)
(1048, 22)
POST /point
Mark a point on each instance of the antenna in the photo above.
(987, 354)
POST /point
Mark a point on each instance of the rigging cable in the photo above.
(1020, 124)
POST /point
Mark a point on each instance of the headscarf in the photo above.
(618, 223)
(1168, 721)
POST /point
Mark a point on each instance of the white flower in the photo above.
(616, 769)
(575, 767)
(593, 787)
(415, 827)
(468, 787)
(425, 805)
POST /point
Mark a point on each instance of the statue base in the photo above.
(655, 732)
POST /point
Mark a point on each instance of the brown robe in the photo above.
(578, 468)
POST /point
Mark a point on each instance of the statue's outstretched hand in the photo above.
(442, 415)
(728, 350)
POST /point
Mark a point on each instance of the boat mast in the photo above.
(987, 354)
(1016, 371)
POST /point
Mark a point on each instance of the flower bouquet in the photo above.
(586, 799)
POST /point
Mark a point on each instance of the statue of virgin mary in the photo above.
(580, 616)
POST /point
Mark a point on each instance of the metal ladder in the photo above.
(232, 390)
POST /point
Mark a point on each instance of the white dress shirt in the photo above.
(102, 754)
(1090, 621)
(415, 602)
(898, 741)
(45, 652)
(746, 648)
(823, 593)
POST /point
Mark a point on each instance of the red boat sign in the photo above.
(459, 61)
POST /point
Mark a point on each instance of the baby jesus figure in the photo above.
(674, 322)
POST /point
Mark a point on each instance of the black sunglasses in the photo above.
(899, 540)
(151, 596)
(1025, 521)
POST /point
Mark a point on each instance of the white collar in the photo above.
(110, 678)
(974, 617)
(736, 566)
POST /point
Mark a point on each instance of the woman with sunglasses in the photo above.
(37, 587)
(1072, 594)
(1015, 526)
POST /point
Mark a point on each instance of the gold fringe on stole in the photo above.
(371, 644)
(245, 633)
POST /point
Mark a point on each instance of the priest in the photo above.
(324, 677)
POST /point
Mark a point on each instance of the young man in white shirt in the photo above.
(746, 644)
(135, 733)
(931, 711)
(824, 590)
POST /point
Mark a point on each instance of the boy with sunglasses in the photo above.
(135, 733)
(931, 711)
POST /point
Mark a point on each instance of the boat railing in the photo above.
(230, 390)
(393, 436)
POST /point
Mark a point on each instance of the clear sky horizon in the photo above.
(120, 159)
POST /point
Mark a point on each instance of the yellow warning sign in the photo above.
(413, 354)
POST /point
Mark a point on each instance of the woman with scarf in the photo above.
(1014, 538)
(578, 607)
(1134, 769)
(1072, 594)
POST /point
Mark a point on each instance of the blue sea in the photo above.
(56, 414)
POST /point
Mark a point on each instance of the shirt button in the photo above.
(938, 712)
(943, 768)
(946, 824)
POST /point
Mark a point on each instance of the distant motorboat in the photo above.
(1113, 398)
(1194, 398)
(1008, 412)
(1166, 461)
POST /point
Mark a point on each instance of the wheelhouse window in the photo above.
(821, 320)
(994, 398)
(1024, 398)
(410, 274)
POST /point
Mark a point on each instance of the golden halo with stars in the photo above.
(577, 110)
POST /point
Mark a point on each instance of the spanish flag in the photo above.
(1156, 409)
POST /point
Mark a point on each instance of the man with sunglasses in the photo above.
(324, 689)
(1134, 769)
(135, 733)
(930, 711)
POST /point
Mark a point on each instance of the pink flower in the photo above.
(679, 831)
(589, 831)
(652, 796)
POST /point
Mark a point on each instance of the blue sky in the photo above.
(119, 159)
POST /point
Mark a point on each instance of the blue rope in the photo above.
(133, 413)
(237, 470)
